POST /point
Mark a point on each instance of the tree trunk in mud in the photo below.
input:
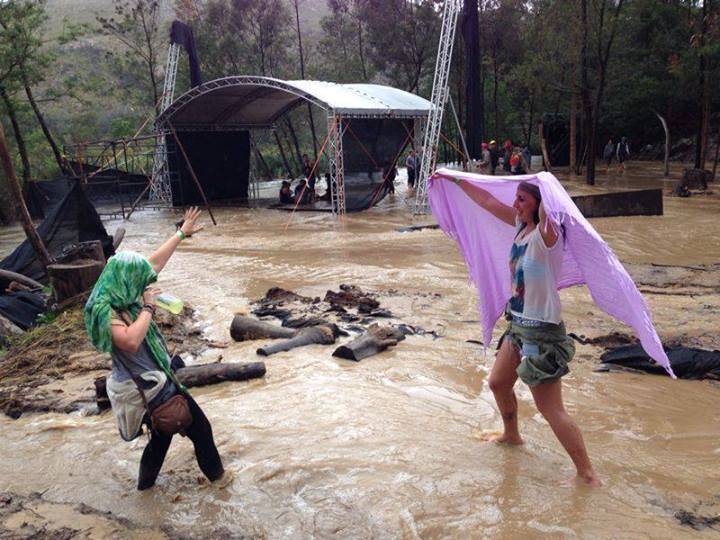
(247, 329)
(206, 374)
(375, 340)
(321, 335)
(30, 231)
(192, 376)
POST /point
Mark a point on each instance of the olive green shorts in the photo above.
(545, 351)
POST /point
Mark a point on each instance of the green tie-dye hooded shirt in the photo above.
(119, 288)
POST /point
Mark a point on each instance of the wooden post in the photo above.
(27, 223)
(666, 172)
(194, 177)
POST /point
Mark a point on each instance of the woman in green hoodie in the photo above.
(119, 320)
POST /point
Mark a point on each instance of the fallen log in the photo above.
(206, 374)
(321, 335)
(14, 276)
(375, 340)
(246, 329)
(192, 376)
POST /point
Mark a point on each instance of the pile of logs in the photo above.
(376, 339)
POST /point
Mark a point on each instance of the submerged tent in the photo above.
(368, 128)
(71, 221)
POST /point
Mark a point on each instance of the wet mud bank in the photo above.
(53, 367)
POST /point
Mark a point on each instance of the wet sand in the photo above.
(391, 447)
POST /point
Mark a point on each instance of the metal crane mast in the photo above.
(440, 92)
(160, 188)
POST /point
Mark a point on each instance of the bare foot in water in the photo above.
(501, 438)
(590, 479)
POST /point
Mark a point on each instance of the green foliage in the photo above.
(96, 66)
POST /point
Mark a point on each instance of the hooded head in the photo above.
(119, 289)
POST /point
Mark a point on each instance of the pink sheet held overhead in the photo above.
(485, 243)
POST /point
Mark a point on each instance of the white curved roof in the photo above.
(244, 101)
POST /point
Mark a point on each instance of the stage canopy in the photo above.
(244, 102)
(368, 127)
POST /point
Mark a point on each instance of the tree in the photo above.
(592, 96)
(402, 38)
(301, 55)
(474, 86)
(136, 25)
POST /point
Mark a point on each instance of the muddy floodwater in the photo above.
(391, 447)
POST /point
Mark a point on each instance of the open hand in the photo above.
(189, 226)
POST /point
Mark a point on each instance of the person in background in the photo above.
(309, 171)
(608, 153)
(389, 174)
(119, 320)
(623, 153)
(411, 164)
(527, 159)
(516, 162)
(303, 193)
(494, 157)
(484, 158)
(507, 154)
(286, 196)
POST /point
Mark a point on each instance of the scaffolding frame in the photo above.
(440, 93)
(160, 185)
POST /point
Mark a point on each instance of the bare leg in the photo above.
(501, 382)
(548, 398)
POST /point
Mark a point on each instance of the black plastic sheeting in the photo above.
(22, 308)
(369, 144)
(182, 34)
(71, 220)
(687, 362)
(220, 160)
(74, 219)
(41, 196)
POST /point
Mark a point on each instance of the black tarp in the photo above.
(22, 308)
(369, 144)
(41, 196)
(220, 160)
(74, 219)
(182, 34)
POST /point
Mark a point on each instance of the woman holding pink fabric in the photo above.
(535, 346)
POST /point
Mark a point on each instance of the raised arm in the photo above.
(486, 201)
(161, 256)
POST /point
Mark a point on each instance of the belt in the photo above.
(528, 323)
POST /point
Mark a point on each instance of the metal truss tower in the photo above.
(160, 187)
(439, 98)
(335, 132)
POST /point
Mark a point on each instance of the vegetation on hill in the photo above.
(92, 69)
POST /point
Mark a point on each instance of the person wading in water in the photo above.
(119, 320)
(535, 346)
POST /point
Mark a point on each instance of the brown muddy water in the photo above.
(391, 447)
